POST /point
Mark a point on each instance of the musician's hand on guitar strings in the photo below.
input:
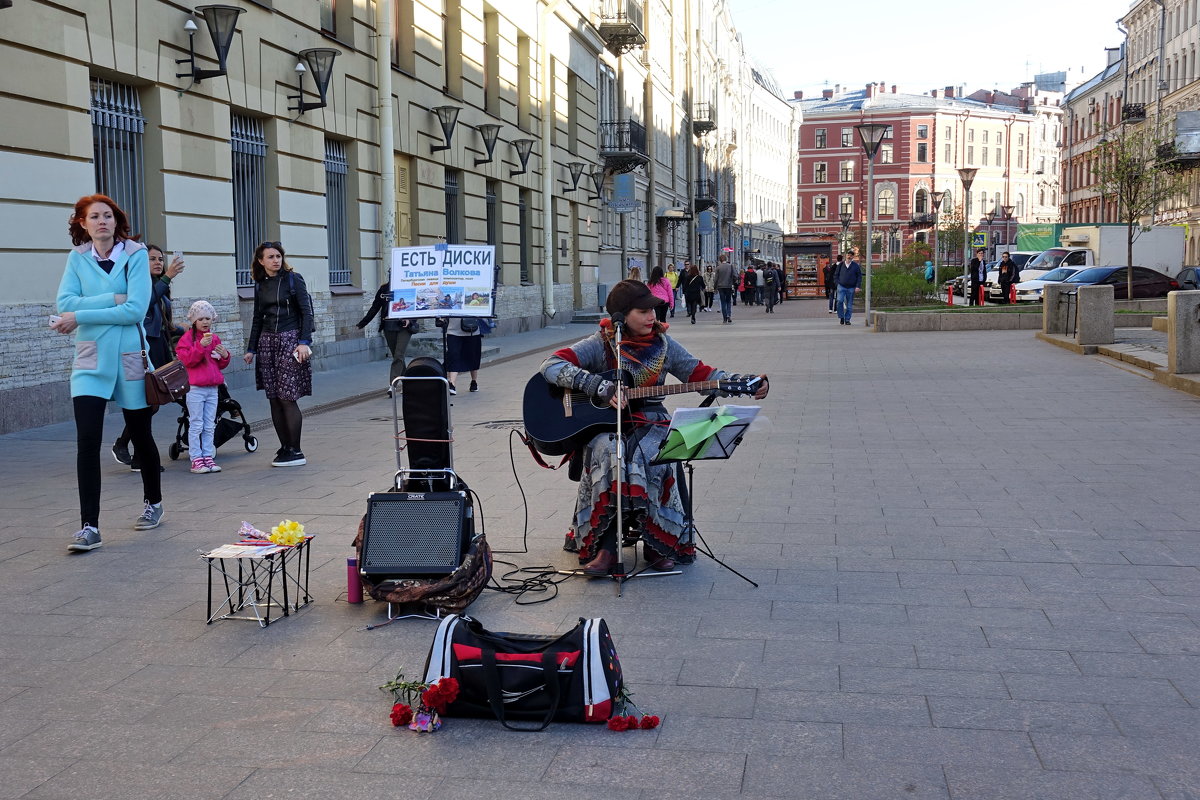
(595, 386)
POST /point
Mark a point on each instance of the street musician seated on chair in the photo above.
(653, 511)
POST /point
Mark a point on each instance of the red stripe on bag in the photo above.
(466, 653)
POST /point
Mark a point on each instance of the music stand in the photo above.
(693, 436)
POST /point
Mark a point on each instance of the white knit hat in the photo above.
(201, 309)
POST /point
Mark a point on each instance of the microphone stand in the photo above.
(618, 570)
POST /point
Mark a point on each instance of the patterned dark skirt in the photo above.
(276, 371)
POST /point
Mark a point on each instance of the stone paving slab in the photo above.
(944, 611)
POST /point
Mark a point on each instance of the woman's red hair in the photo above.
(75, 224)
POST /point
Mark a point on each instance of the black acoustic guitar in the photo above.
(558, 421)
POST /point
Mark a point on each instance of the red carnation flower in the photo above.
(649, 721)
(401, 714)
(440, 694)
(618, 724)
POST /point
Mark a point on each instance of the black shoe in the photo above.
(847, 322)
(289, 457)
(137, 467)
(453, 390)
(474, 386)
(120, 451)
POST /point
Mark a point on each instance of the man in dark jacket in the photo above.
(1009, 274)
(848, 278)
(725, 283)
(977, 272)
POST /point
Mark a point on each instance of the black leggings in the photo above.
(288, 421)
(89, 431)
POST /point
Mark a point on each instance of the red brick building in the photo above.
(931, 136)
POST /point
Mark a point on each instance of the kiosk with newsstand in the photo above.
(804, 259)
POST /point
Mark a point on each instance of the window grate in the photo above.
(336, 168)
(117, 143)
(248, 142)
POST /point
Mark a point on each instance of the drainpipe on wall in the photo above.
(548, 210)
(387, 145)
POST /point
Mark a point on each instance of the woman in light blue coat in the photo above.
(103, 296)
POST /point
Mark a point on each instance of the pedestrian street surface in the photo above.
(977, 558)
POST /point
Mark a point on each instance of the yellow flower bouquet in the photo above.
(287, 533)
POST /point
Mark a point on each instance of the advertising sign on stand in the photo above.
(455, 280)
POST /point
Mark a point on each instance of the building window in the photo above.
(1000, 137)
(949, 134)
(329, 16)
(1020, 140)
(820, 138)
(887, 203)
(922, 131)
(493, 218)
(922, 152)
(606, 95)
(983, 198)
(1020, 159)
(947, 153)
(404, 45)
(249, 146)
(947, 202)
(491, 59)
(820, 172)
(452, 52)
(453, 208)
(523, 233)
(970, 154)
(847, 137)
(335, 212)
(999, 158)
(985, 137)
(819, 208)
(983, 151)
(117, 130)
(921, 202)
(847, 172)
(1041, 165)
(971, 135)
(885, 154)
(846, 205)
(887, 133)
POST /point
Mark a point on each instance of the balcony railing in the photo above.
(1133, 112)
(622, 145)
(621, 25)
(706, 194)
(704, 118)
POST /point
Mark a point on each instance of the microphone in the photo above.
(617, 318)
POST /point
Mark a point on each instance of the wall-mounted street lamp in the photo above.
(222, 25)
(523, 147)
(576, 169)
(448, 117)
(488, 132)
(597, 176)
(320, 63)
(871, 134)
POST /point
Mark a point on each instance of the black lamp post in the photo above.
(967, 176)
(1008, 217)
(222, 25)
(846, 218)
(488, 132)
(871, 134)
(936, 199)
(523, 147)
(448, 117)
(320, 63)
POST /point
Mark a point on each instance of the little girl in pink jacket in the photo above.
(204, 357)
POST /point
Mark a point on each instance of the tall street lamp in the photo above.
(871, 134)
(967, 176)
(846, 218)
(1008, 217)
(894, 248)
(989, 218)
(936, 199)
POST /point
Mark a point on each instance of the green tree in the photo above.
(1133, 171)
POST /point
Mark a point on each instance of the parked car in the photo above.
(1030, 291)
(1189, 278)
(1146, 282)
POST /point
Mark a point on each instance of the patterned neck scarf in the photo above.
(642, 356)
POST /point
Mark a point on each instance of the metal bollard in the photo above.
(950, 294)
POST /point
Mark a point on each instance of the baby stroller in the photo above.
(230, 423)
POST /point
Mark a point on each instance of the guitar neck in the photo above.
(675, 388)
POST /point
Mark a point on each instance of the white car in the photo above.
(1030, 291)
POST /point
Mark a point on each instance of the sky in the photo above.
(813, 46)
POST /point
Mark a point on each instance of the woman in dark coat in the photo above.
(396, 332)
(693, 290)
